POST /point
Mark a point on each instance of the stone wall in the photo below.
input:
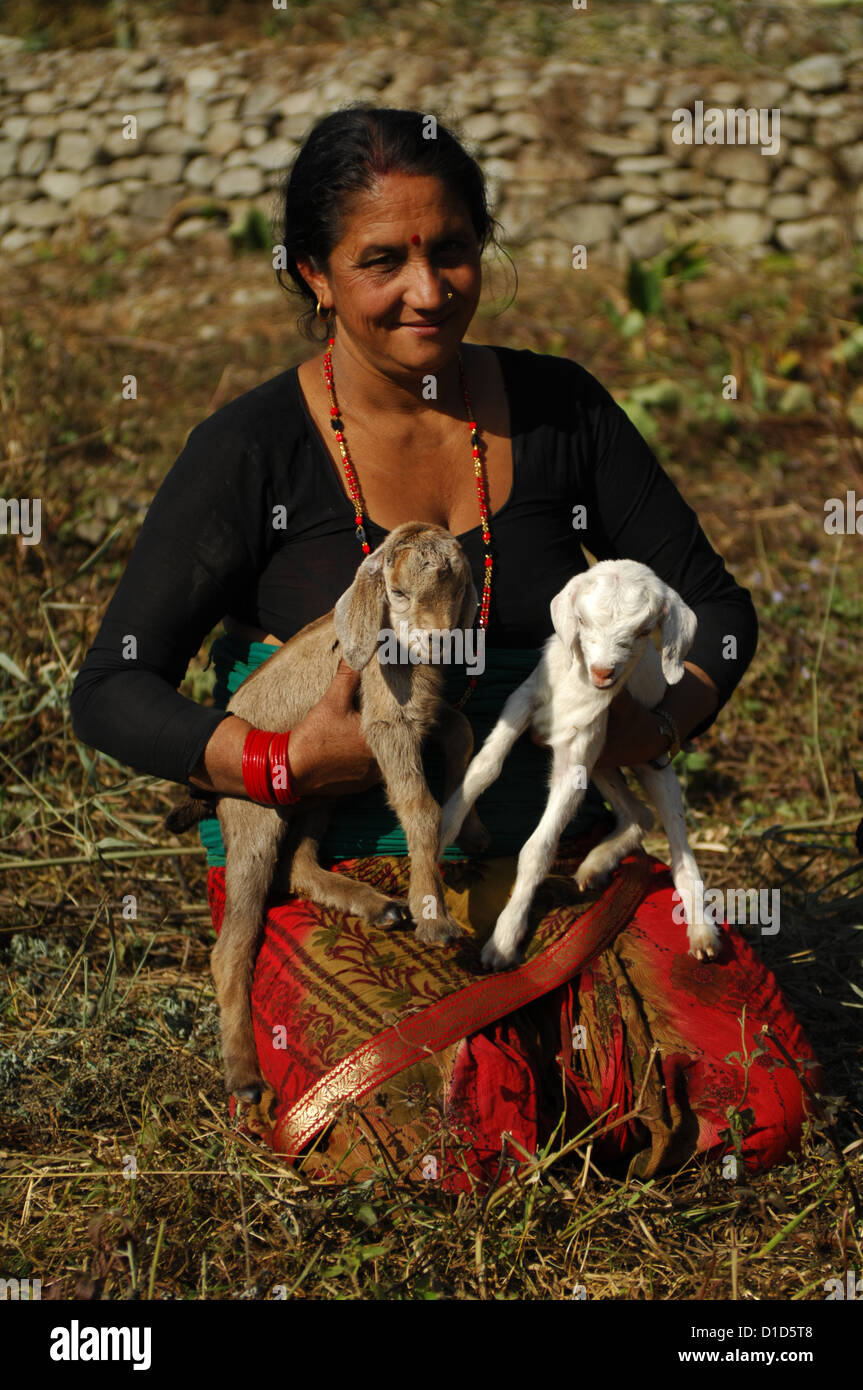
(575, 154)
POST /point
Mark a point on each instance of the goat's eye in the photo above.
(397, 593)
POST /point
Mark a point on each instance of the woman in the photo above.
(369, 1041)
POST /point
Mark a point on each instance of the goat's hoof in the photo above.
(499, 957)
(440, 931)
(592, 878)
(704, 942)
(392, 915)
(246, 1092)
(257, 1114)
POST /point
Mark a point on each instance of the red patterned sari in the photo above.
(381, 1050)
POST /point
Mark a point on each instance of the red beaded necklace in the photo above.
(359, 507)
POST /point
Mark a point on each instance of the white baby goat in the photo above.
(603, 620)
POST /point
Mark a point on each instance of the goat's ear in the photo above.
(359, 612)
(469, 604)
(563, 610)
(677, 626)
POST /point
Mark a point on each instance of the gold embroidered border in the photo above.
(462, 1012)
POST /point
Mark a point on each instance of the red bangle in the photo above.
(280, 771)
(256, 766)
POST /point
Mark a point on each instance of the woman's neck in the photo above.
(366, 389)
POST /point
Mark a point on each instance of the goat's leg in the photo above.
(485, 768)
(252, 837)
(308, 879)
(455, 736)
(398, 755)
(663, 788)
(537, 853)
(633, 819)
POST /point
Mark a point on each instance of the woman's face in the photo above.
(404, 245)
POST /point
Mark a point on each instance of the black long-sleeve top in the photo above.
(253, 522)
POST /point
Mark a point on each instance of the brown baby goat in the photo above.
(419, 575)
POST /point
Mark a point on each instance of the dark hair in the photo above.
(343, 154)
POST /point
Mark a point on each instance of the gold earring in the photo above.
(325, 315)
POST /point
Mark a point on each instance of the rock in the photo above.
(263, 100)
(842, 131)
(619, 146)
(165, 168)
(643, 164)
(823, 194)
(152, 204)
(606, 190)
(196, 119)
(98, 202)
(74, 150)
(505, 147)
(765, 93)
(14, 128)
(72, 120)
(752, 196)
(737, 163)
(150, 80)
(583, 224)
(61, 184)
(191, 227)
(8, 157)
(40, 103)
(222, 137)
(135, 167)
(724, 94)
(644, 94)
(684, 183)
(298, 104)
(243, 181)
(850, 160)
(649, 236)
(790, 180)
(741, 229)
(811, 160)
(34, 157)
(481, 127)
(639, 204)
(202, 172)
(788, 207)
(817, 236)
(44, 212)
(17, 239)
(254, 135)
(553, 255)
(171, 140)
(19, 189)
(201, 79)
(275, 154)
(822, 73)
(524, 125)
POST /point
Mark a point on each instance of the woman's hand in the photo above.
(634, 734)
(327, 753)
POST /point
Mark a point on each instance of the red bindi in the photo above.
(415, 240)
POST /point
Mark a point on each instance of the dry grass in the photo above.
(107, 1025)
